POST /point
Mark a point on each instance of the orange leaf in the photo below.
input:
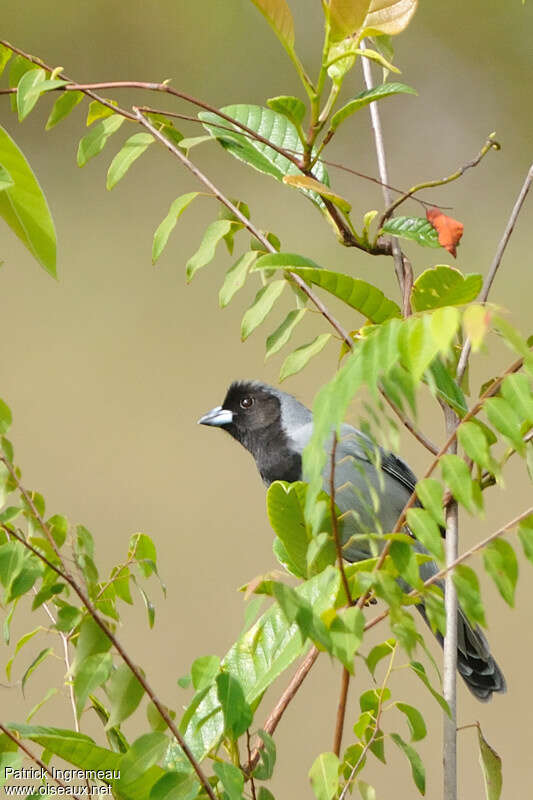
(450, 230)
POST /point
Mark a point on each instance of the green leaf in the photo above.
(76, 748)
(267, 757)
(503, 416)
(5, 55)
(430, 492)
(91, 673)
(283, 333)
(17, 68)
(236, 277)
(50, 693)
(415, 720)
(324, 776)
(232, 780)
(145, 751)
(525, 534)
(5, 417)
(389, 16)
(426, 530)
(299, 358)
(467, 585)
(278, 15)
(420, 672)
(168, 224)
(27, 637)
(516, 390)
(150, 608)
(62, 107)
(501, 564)
(42, 656)
(417, 346)
(366, 791)
(24, 207)
(474, 442)
(404, 559)
(175, 786)
(142, 548)
(265, 794)
(417, 229)
(95, 141)
(346, 17)
(285, 509)
(346, 633)
(125, 693)
(98, 110)
(214, 233)
(290, 107)
(261, 307)
(417, 767)
(32, 84)
(238, 715)
(272, 126)
(491, 765)
(362, 296)
(446, 386)
(204, 671)
(444, 286)
(91, 640)
(378, 653)
(367, 97)
(6, 181)
(457, 477)
(133, 148)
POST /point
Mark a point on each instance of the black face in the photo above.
(256, 424)
(254, 410)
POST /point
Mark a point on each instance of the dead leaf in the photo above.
(450, 230)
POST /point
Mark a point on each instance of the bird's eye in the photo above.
(247, 402)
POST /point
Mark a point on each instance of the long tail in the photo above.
(475, 662)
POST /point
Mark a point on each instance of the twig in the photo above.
(279, 709)
(490, 144)
(459, 560)
(119, 648)
(345, 681)
(341, 711)
(37, 760)
(411, 427)
(382, 165)
(500, 250)
(245, 221)
(249, 751)
(373, 737)
(449, 682)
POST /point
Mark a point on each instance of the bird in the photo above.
(372, 486)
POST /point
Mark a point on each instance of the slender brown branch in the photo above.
(459, 560)
(341, 711)
(37, 760)
(490, 144)
(279, 709)
(411, 427)
(245, 221)
(249, 751)
(120, 650)
(494, 267)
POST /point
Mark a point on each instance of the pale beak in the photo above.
(218, 417)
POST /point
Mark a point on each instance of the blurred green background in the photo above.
(108, 369)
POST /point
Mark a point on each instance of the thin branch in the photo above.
(459, 560)
(279, 709)
(119, 648)
(345, 681)
(246, 222)
(249, 751)
(411, 427)
(449, 681)
(341, 711)
(382, 164)
(490, 144)
(375, 732)
(500, 250)
(37, 760)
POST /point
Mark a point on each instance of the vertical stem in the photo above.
(449, 753)
(382, 164)
(341, 711)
